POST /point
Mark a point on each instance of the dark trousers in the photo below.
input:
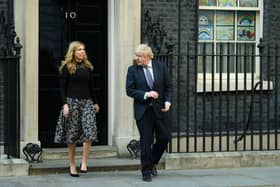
(154, 137)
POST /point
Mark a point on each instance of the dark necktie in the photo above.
(149, 77)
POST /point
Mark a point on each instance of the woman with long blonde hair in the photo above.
(77, 119)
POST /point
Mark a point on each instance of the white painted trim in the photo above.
(111, 69)
(27, 27)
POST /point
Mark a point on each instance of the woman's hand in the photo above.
(96, 108)
(65, 110)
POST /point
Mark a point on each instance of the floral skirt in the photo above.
(79, 126)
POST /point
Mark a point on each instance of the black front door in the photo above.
(62, 21)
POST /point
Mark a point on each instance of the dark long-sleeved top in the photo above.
(78, 85)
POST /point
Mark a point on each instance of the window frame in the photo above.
(221, 81)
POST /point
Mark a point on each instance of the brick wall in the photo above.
(271, 21)
(165, 15)
(271, 39)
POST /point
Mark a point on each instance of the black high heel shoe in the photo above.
(82, 171)
(72, 174)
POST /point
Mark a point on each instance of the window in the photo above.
(228, 35)
(229, 3)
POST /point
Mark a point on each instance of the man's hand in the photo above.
(166, 107)
(152, 94)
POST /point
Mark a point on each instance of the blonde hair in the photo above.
(69, 59)
(145, 50)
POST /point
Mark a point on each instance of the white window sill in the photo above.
(222, 86)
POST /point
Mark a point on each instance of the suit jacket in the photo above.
(136, 86)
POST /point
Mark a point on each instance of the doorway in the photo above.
(62, 21)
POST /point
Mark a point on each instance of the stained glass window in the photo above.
(207, 2)
(205, 18)
(225, 25)
(205, 33)
(227, 3)
(225, 30)
(246, 25)
(225, 33)
(246, 18)
(205, 25)
(248, 3)
(246, 33)
(225, 18)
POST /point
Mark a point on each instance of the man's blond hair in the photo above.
(145, 50)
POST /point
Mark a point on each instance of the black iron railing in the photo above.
(226, 97)
(10, 87)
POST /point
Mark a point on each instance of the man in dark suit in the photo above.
(148, 83)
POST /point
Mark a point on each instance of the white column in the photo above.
(27, 28)
(124, 36)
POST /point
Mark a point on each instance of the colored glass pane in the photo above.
(205, 23)
(246, 18)
(205, 33)
(227, 3)
(224, 33)
(246, 33)
(207, 2)
(248, 3)
(205, 18)
(225, 18)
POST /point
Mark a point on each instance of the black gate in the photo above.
(10, 87)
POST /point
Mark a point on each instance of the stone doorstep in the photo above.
(13, 167)
(16, 167)
(62, 153)
(94, 165)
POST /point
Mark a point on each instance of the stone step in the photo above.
(94, 164)
(62, 153)
(13, 167)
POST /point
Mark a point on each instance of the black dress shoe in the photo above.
(82, 171)
(73, 174)
(154, 171)
(147, 178)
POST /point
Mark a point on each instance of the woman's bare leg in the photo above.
(86, 150)
(72, 149)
